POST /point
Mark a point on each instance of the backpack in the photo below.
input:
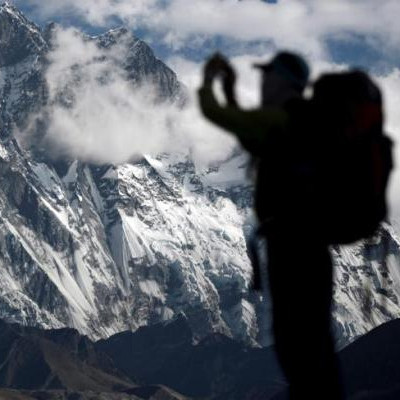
(354, 157)
(340, 172)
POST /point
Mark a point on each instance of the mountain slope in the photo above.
(109, 248)
(31, 361)
(217, 368)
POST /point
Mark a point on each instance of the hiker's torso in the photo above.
(283, 185)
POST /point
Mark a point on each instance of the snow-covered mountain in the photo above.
(367, 284)
(114, 247)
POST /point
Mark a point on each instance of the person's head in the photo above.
(284, 77)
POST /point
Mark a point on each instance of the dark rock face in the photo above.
(39, 363)
(51, 362)
(217, 367)
(140, 64)
(19, 38)
(61, 395)
(34, 359)
(61, 364)
(370, 364)
(22, 88)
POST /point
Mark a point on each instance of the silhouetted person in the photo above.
(299, 264)
(323, 171)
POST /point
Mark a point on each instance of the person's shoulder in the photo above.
(298, 109)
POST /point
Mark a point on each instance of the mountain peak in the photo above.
(6, 5)
(113, 36)
(7, 8)
(19, 37)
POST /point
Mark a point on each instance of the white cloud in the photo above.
(104, 118)
(300, 24)
(391, 89)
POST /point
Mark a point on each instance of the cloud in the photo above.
(95, 114)
(301, 24)
(391, 88)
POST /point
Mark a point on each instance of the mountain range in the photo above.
(107, 248)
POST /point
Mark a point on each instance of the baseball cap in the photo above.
(292, 66)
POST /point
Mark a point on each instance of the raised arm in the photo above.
(253, 128)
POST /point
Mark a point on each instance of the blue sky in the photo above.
(363, 44)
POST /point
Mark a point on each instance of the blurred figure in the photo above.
(299, 264)
(321, 179)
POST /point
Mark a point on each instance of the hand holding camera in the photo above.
(219, 67)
